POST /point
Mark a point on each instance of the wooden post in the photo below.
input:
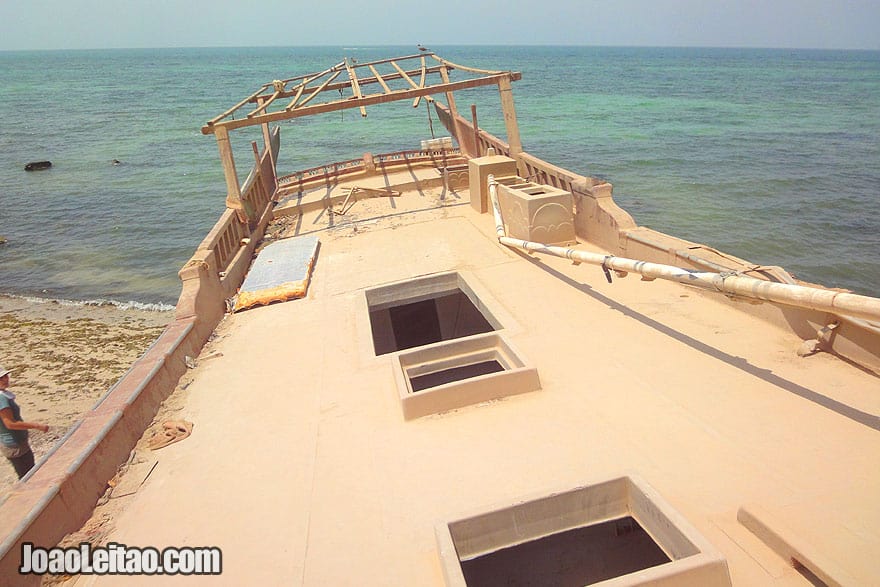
(450, 96)
(233, 188)
(510, 119)
(256, 149)
(450, 100)
(267, 142)
(477, 150)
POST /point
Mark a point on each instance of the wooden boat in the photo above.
(492, 374)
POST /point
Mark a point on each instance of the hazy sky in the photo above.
(80, 24)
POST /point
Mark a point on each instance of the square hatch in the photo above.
(425, 311)
(619, 532)
(457, 373)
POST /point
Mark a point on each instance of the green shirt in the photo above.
(11, 437)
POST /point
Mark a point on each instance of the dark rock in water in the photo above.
(37, 165)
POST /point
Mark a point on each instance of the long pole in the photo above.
(854, 305)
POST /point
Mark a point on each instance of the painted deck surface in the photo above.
(303, 470)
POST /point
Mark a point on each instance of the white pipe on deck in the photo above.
(849, 304)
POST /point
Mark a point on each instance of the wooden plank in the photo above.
(355, 88)
(421, 83)
(365, 101)
(380, 79)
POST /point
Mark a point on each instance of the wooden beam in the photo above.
(263, 104)
(233, 188)
(239, 105)
(318, 90)
(470, 69)
(307, 80)
(392, 59)
(309, 77)
(267, 141)
(355, 88)
(421, 83)
(510, 122)
(404, 75)
(355, 103)
(296, 97)
(363, 81)
(477, 150)
(453, 110)
(380, 79)
(450, 97)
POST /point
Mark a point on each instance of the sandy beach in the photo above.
(64, 357)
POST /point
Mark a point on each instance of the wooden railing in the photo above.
(299, 180)
(539, 171)
(259, 187)
(437, 158)
(225, 238)
(322, 172)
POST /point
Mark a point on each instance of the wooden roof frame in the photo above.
(306, 88)
(310, 86)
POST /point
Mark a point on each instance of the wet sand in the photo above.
(64, 357)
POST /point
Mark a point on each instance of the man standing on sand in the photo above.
(13, 431)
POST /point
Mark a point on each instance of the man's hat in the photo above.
(4, 372)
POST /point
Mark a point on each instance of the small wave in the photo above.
(130, 305)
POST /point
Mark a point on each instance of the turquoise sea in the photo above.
(770, 155)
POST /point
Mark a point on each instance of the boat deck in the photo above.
(303, 469)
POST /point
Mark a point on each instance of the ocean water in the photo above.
(770, 155)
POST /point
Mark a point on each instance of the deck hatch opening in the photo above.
(617, 531)
(456, 373)
(452, 374)
(425, 311)
(581, 556)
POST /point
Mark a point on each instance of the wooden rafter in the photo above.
(421, 83)
(239, 105)
(263, 104)
(404, 75)
(296, 97)
(363, 81)
(355, 87)
(452, 65)
(380, 79)
(318, 90)
(307, 79)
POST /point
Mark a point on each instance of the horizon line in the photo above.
(371, 45)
